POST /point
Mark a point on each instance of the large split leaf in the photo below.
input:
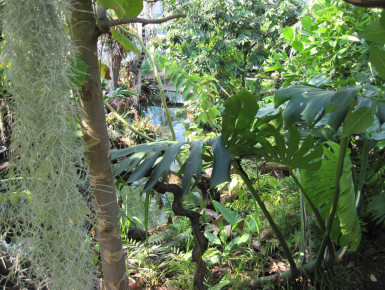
(320, 186)
(154, 160)
(291, 153)
(193, 165)
(222, 162)
(147, 158)
(311, 103)
(238, 118)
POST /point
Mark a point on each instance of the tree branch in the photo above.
(367, 3)
(144, 21)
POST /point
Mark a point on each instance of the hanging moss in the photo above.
(43, 208)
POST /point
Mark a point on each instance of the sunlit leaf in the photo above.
(104, 71)
(307, 23)
(230, 216)
(297, 45)
(123, 8)
(288, 33)
(125, 42)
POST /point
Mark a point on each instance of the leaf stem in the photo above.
(242, 173)
(160, 84)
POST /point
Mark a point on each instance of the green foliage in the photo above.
(320, 186)
(123, 8)
(326, 47)
(125, 41)
(227, 39)
(376, 208)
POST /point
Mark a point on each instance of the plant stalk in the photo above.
(160, 84)
(281, 239)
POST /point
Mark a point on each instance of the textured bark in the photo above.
(116, 56)
(85, 35)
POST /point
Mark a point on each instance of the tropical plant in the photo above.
(248, 134)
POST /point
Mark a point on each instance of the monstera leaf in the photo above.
(320, 186)
(237, 123)
(154, 160)
(311, 104)
(291, 153)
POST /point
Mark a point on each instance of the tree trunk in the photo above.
(116, 55)
(85, 35)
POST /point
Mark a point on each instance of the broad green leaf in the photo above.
(347, 213)
(187, 89)
(307, 23)
(222, 162)
(213, 238)
(293, 155)
(125, 42)
(341, 101)
(320, 186)
(237, 121)
(305, 101)
(230, 216)
(181, 82)
(288, 33)
(123, 8)
(236, 242)
(193, 165)
(358, 121)
(77, 71)
(374, 32)
(377, 57)
(145, 166)
(297, 45)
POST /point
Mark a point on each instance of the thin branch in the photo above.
(144, 21)
(367, 3)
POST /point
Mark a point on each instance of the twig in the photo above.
(144, 21)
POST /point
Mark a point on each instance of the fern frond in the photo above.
(376, 208)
